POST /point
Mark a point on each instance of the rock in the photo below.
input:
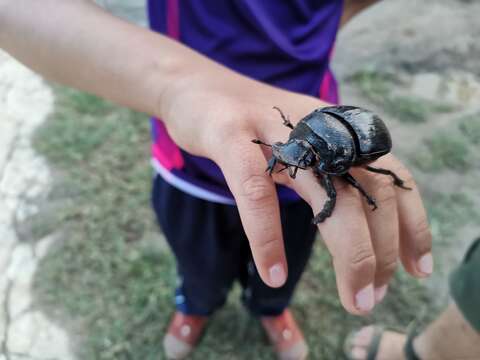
(34, 335)
(25, 101)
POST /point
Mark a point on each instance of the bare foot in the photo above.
(448, 337)
(390, 346)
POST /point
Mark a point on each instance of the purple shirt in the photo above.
(284, 43)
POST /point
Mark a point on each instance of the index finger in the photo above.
(243, 165)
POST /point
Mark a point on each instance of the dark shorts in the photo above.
(212, 251)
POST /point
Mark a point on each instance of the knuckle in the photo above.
(387, 264)
(362, 258)
(265, 244)
(256, 188)
(386, 195)
(422, 235)
(225, 130)
(227, 122)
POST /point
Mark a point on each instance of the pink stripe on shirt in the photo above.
(173, 19)
(164, 149)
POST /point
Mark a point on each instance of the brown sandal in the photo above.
(183, 334)
(285, 336)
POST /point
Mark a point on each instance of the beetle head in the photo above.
(294, 154)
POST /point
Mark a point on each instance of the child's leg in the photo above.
(299, 235)
(206, 245)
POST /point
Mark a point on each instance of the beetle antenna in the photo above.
(285, 119)
(260, 142)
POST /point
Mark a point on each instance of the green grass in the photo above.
(83, 103)
(378, 88)
(408, 109)
(470, 127)
(448, 212)
(111, 278)
(374, 85)
(444, 150)
(449, 215)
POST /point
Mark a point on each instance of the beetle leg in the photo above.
(292, 171)
(271, 165)
(260, 142)
(302, 160)
(396, 180)
(285, 168)
(327, 184)
(351, 180)
(286, 121)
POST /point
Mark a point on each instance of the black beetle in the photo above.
(331, 140)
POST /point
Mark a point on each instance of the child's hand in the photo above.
(216, 113)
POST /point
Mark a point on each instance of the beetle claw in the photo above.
(292, 171)
(396, 180)
(400, 184)
(271, 166)
(260, 142)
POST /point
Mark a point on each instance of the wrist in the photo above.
(182, 75)
(170, 71)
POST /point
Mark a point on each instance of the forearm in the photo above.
(76, 43)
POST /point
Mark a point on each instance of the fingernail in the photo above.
(425, 264)
(365, 300)
(277, 275)
(380, 293)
